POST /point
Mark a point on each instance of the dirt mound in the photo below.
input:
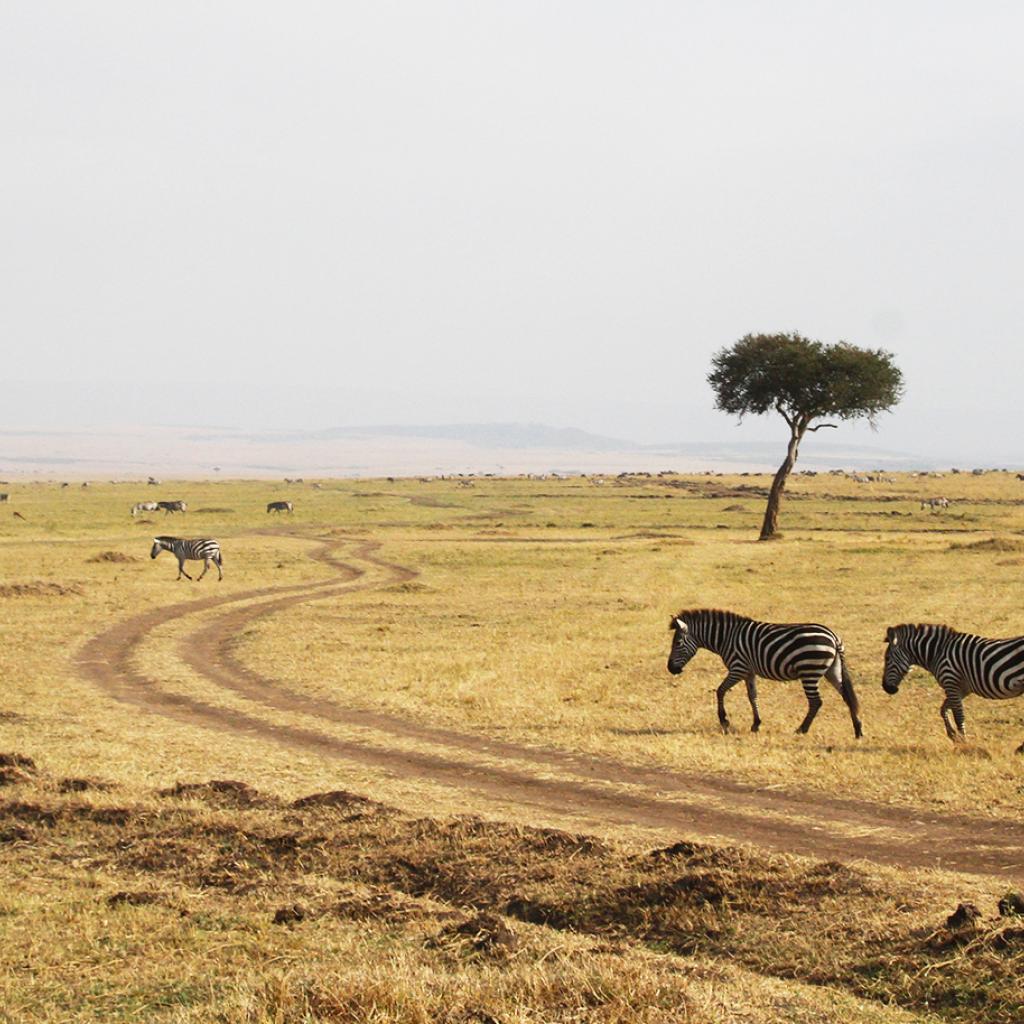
(74, 785)
(965, 916)
(222, 792)
(132, 899)
(380, 904)
(290, 915)
(15, 768)
(112, 556)
(38, 588)
(484, 933)
(341, 799)
(994, 545)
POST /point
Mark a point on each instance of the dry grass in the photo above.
(540, 613)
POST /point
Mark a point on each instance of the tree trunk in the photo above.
(770, 526)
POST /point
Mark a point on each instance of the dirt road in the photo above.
(555, 782)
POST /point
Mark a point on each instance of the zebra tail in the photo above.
(849, 694)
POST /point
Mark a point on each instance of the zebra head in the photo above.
(684, 647)
(898, 658)
(158, 546)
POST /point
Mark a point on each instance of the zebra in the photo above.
(280, 506)
(4, 496)
(750, 649)
(934, 503)
(143, 506)
(961, 662)
(205, 550)
(172, 506)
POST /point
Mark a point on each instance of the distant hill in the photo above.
(480, 435)
(406, 450)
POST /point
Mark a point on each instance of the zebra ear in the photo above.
(681, 626)
(890, 636)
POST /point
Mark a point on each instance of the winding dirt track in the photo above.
(556, 782)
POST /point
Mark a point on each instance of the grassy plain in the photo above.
(539, 614)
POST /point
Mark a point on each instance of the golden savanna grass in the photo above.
(539, 613)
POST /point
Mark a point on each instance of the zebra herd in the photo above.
(962, 663)
(204, 549)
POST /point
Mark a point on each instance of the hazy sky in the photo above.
(316, 214)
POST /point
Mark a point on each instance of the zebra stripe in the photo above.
(961, 662)
(751, 649)
(204, 550)
(280, 506)
(172, 506)
(143, 506)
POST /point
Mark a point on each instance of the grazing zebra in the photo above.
(205, 551)
(934, 503)
(143, 506)
(172, 506)
(280, 506)
(750, 649)
(961, 662)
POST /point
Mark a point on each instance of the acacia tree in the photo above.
(802, 380)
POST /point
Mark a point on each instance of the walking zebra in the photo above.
(750, 649)
(961, 662)
(934, 503)
(280, 506)
(172, 506)
(143, 506)
(205, 551)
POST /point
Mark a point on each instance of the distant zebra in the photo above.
(143, 506)
(172, 506)
(750, 649)
(280, 506)
(961, 662)
(4, 496)
(934, 503)
(205, 551)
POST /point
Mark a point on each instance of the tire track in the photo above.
(685, 802)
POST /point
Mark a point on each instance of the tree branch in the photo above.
(834, 426)
(790, 420)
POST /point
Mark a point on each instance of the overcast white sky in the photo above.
(318, 214)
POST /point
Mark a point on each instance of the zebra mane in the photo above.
(702, 614)
(165, 538)
(940, 627)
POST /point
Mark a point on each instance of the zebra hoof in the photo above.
(756, 727)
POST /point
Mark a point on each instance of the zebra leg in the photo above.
(752, 697)
(944, 711)
(813, 703)
(220, 575)
(727, 684)
(181, 569)
(958, 716)
(206, 567)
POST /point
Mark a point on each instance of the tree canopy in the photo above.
(804, 380)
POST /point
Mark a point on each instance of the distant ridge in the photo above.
(480, 435)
